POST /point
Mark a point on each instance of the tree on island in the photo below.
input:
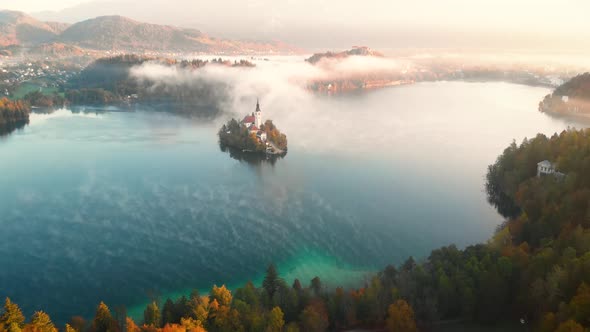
(236, 135)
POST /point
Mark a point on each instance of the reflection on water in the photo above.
(254, 159)
(9, 128)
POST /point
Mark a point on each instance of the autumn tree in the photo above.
(103, 320)
(192, 325)
(198, 306)
(78, 323)
(274, 320)
(221, 294)
(580, 304)
(400, 317)
(40, 322)
(570, 326)
(151, 315)
(130, 325)
(12, 316)
(314, 317)
(292, 327)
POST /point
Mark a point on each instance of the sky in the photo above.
(513, 24)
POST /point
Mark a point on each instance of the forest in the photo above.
(534, 271)
(109, 81)
(12, 112)
(572, 97)
(39, 99)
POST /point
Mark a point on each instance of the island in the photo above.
(570, 98)
(340, 82)
(252, 136)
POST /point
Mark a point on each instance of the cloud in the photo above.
(360, 124)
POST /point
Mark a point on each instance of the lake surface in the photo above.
(122, 206)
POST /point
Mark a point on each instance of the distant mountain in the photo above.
(58, 27)
(119, 33)
(17, 28)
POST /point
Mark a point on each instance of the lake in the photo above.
(123, 206)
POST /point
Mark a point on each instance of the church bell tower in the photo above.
(258, 114)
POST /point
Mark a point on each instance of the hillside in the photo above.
(118, 33)
(17, 28)
(111, 81)
(570, 98)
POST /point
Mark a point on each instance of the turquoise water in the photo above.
(122, 206)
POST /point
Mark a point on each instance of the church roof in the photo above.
(254, 128)
(249, 119)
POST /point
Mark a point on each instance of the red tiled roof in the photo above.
(254, 128)
(249, 119)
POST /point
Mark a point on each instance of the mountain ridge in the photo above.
(120, 33)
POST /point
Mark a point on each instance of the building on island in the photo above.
(546, 167)
(253, 122)
(258, 115)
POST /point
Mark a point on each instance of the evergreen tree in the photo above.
(271, 281)
(316, 286)
(297, 285)
(168, 313)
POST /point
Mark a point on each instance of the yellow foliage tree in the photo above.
(222, 295)
(275, 321)
(570, 326)
(400, 317)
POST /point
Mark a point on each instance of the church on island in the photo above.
(253, 122)
(253, 134)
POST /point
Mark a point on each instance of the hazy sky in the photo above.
(546, 24)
